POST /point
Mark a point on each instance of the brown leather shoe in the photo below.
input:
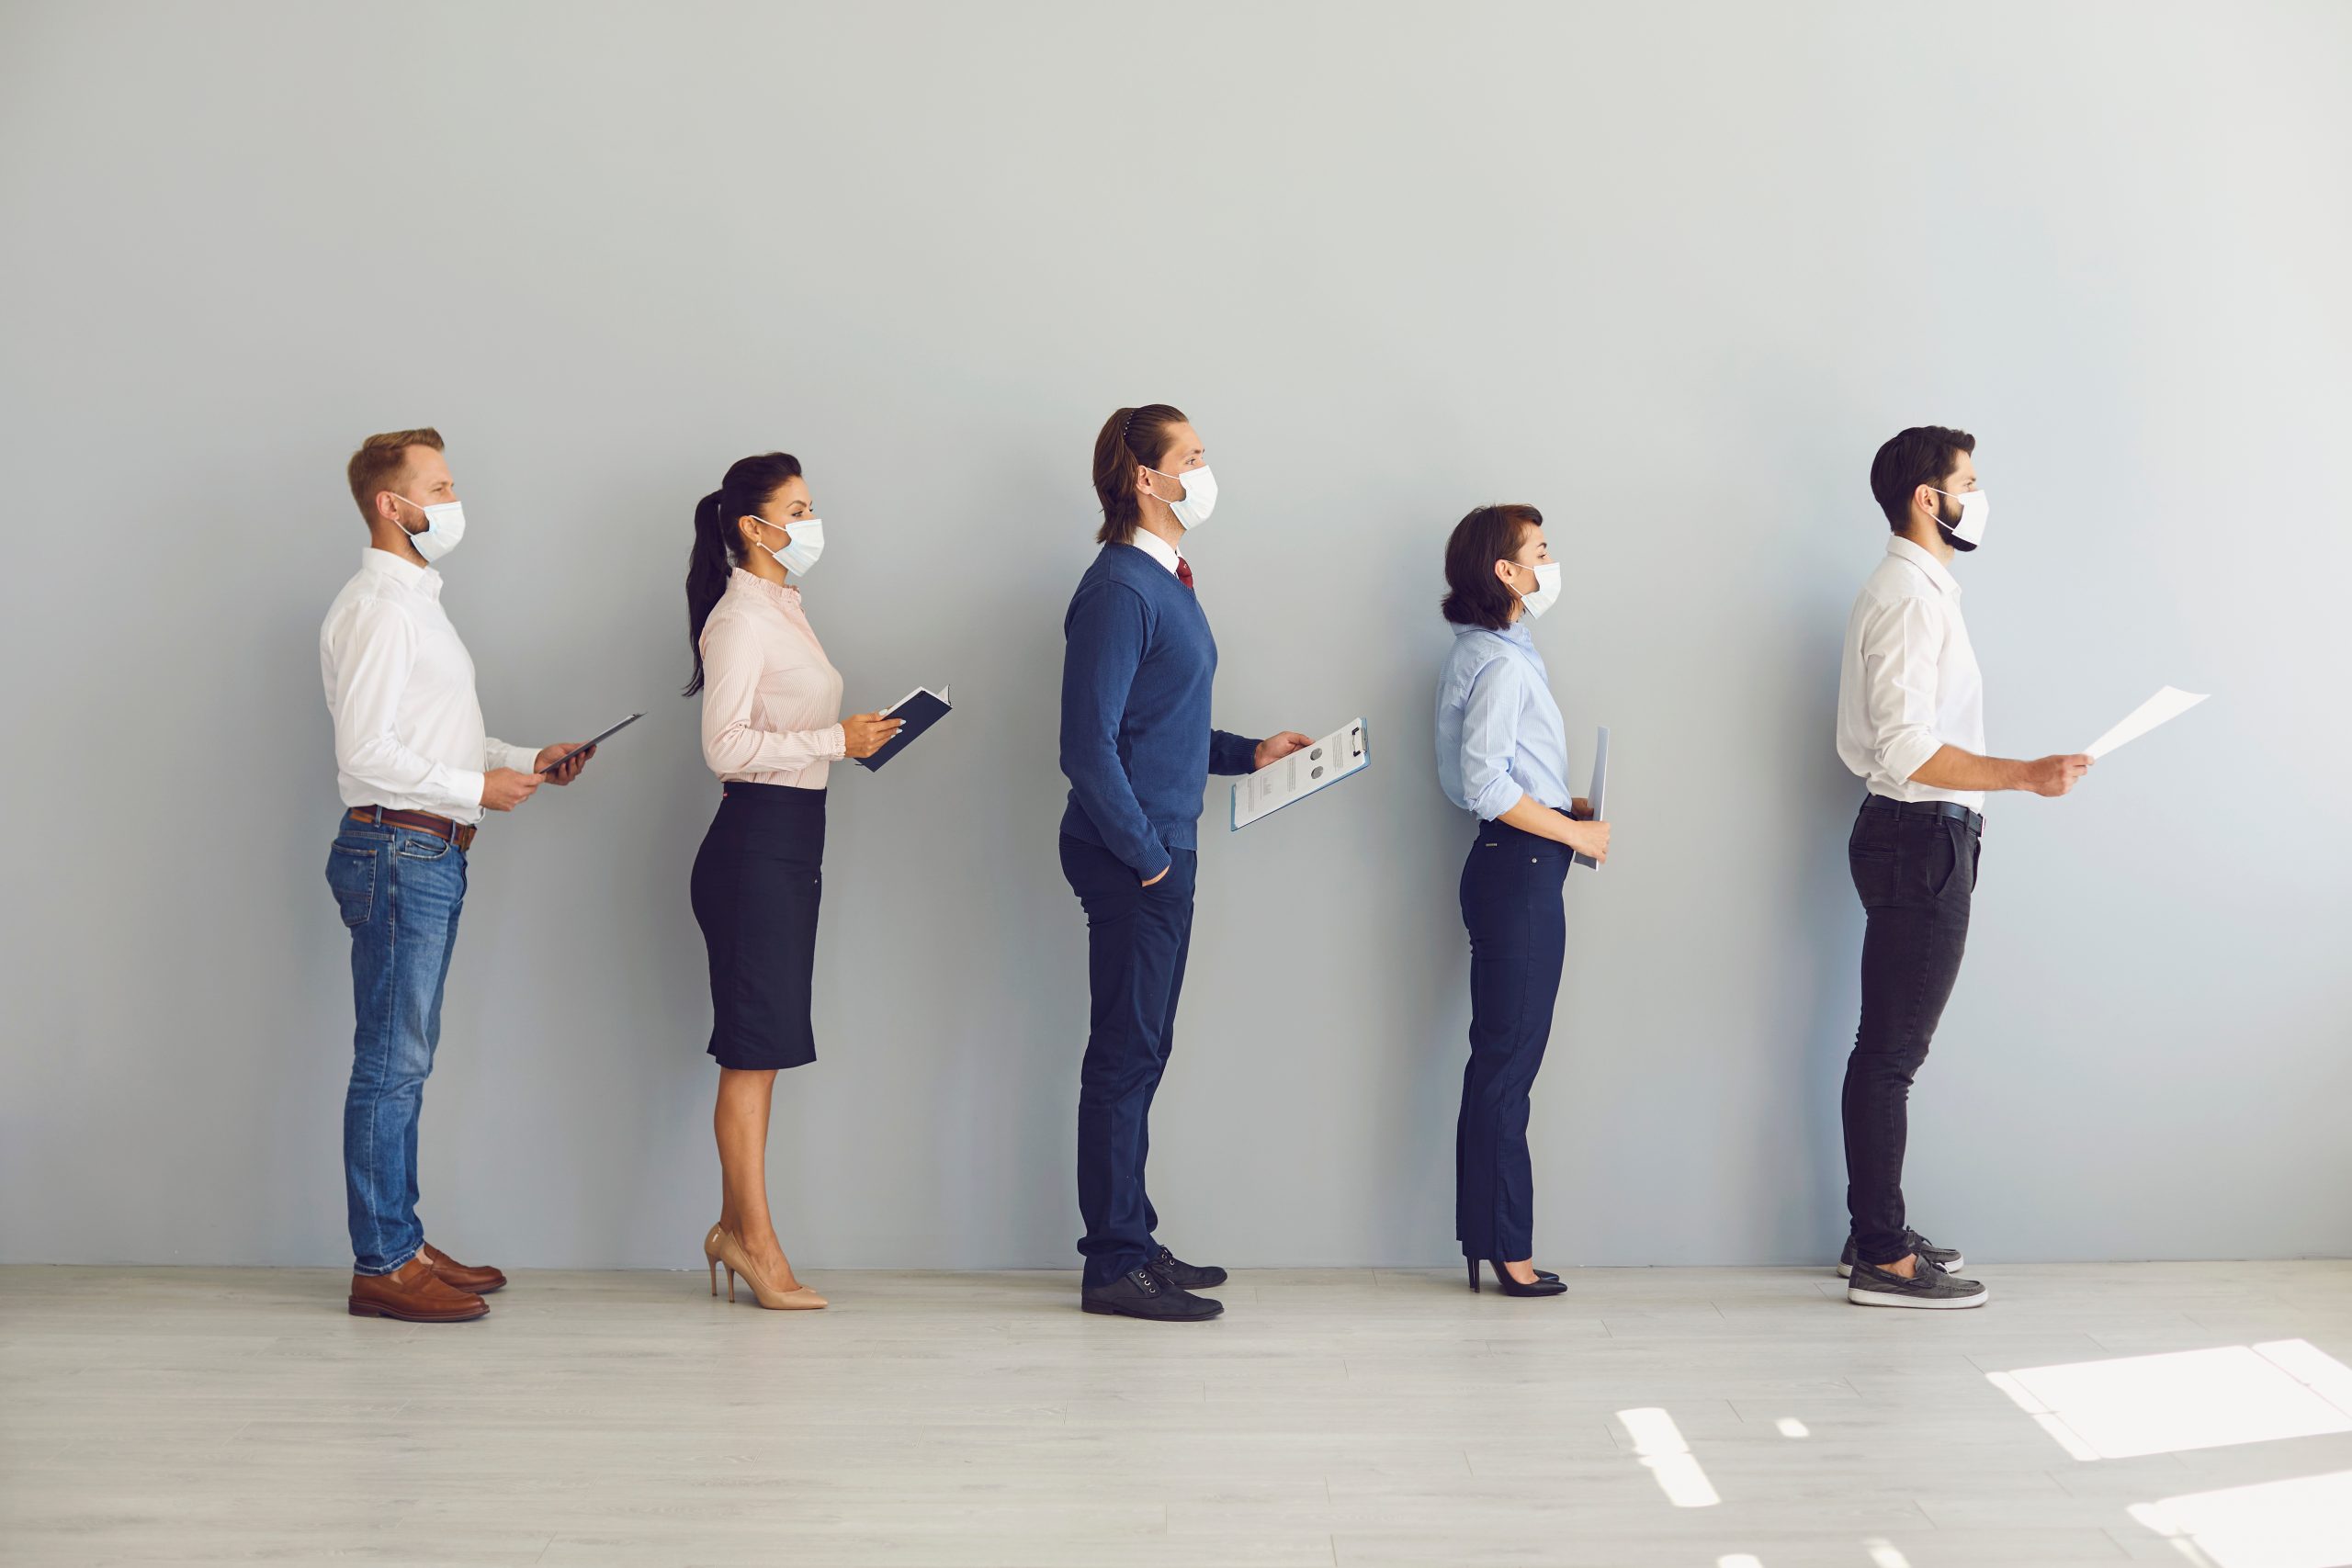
(480, 1281)
(414, 1293)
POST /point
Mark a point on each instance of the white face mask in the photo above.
(444, 525)
(1547, 588)
(1975, 512)
(1200, 496)
(808, 544)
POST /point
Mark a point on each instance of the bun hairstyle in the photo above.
(719, 543)
(1131, 437)
(1475, 596)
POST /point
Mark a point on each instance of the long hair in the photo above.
(719, 543)
(1128, 438)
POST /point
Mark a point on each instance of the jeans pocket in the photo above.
(422, 846)
(351, 877)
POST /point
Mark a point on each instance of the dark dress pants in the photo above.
(1136, 939)
(1916, 874)
(1510, 902)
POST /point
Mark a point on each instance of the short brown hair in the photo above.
(1130, 437)
(1475, 596)
(380, 460)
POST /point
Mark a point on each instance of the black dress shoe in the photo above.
(1143, 1293)
(1174, 1270)
(1544, 1285)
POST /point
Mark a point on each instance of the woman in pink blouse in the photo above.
(771, 727)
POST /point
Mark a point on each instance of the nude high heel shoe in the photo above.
(731, 1254)
(710, 1255)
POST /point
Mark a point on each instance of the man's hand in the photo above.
(1589, 840)
(1274, 748)
(503, 789)
(2055, 775)
(863, 734)
(570, 771)
(1163, 874)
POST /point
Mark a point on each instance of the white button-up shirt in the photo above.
(1156, 547)
(408, 728)
(1909, 684)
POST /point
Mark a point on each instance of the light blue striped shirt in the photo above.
(1498, 732)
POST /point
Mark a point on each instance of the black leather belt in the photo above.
(1948, 809)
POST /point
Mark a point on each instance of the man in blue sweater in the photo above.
(1137, 749)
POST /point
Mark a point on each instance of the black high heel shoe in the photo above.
(1545, 1285)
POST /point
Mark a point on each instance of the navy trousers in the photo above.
(1519, 935)
(1136, 938)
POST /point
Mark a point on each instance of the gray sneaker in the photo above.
(1947, 1259)
(1872, 1286)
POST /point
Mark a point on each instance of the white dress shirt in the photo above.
(1909, 684)
(1155, 547)
(408, 728)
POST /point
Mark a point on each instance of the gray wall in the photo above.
(1669, 273)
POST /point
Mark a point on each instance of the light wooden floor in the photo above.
(1351, 1417)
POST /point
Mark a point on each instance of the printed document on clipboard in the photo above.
(1599, 792)
(1339, 755)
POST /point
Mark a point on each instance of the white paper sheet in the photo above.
(2168, 703)
(1340, 754)
(1597, 795)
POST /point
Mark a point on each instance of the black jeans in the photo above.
(1916, 874)
(1518, 934)
(1136, 941)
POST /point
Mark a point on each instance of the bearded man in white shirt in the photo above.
(416, 773)
(1911, 724)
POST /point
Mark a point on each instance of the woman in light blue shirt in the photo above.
(1503, 754)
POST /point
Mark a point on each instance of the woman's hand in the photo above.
(1581, 808)
(1587, 838)
(863, 734)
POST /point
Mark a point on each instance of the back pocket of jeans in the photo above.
(351, 874)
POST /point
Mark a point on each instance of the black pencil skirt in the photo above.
(757, 882)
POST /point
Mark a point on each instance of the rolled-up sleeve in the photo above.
(1899, 641)
(1490, 714)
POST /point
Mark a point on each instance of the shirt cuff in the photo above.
(522, 758)
(835, 742)
(1496, 798)
(1906, 754)
(466, 787)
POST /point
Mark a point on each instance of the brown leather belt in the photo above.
(458, 833)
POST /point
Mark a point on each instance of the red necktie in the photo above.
(1184, 571)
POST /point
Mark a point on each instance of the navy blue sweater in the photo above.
(1137, 744)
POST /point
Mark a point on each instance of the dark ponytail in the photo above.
(1128, 438)
(719, 541)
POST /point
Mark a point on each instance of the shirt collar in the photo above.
(407, 574)
(1516, 632)
(1938, 573)
(753, 584)
(1156, 547)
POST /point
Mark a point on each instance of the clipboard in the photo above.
(585, 744)
(1315, 767)
(920, 708)
(1598, 792)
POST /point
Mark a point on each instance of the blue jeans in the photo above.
(400, 892)
(1136, 941)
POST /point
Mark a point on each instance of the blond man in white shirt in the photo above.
(416, 773)
(1911, 725)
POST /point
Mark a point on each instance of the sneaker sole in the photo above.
(1103, 1310)
(1860, 1297)
(1846, 1270)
